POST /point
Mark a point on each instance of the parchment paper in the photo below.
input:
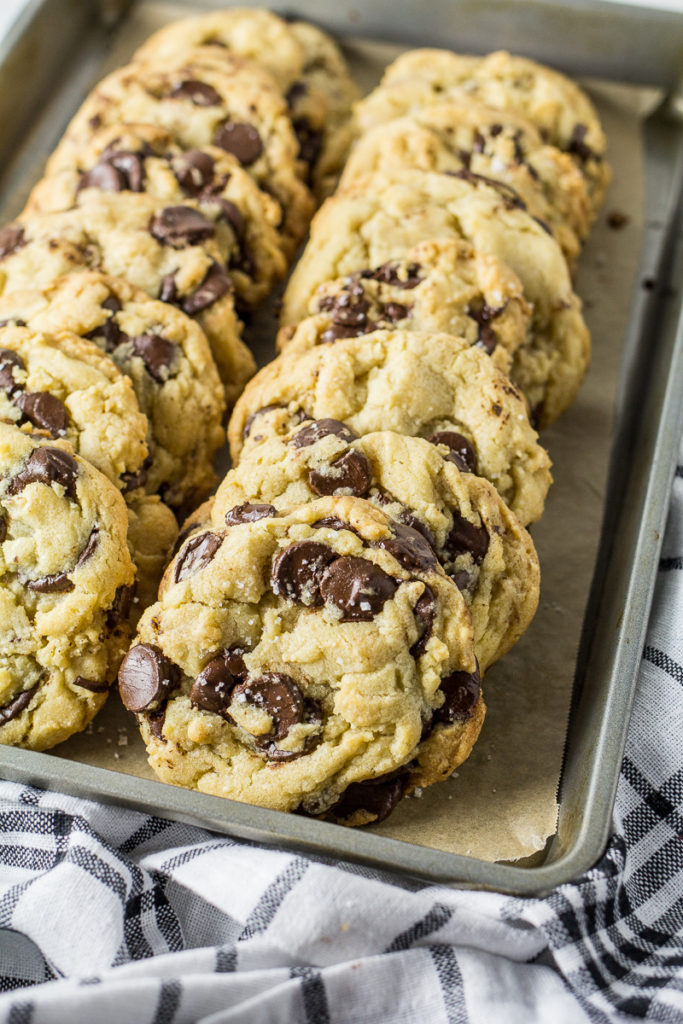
(501, 804)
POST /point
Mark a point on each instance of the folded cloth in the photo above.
(115, 917)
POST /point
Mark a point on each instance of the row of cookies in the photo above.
(170, 207)
(320, 638)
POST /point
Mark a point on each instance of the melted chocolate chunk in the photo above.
(235, 660)
(212, 689)
(376, 796)
(313, 432)
(578, 147)
(47, 466)
(463, 580)
(199, 93)
(482, 315)
(232, 215)
(8, 360)
(181, 225)
(120, 171)
(297, 571)
(279, 696)
(3, 529)
(249, 512)
(395, 311)
(94, 685)
(14, 707)
(410, 549)
(296, 91)
(58, 583)
(193, 171)
(332, 523)
(155, 721)
(131, 481)
(357, 587)
(146, 677)
(90, 547)
(242, 140)
(424, 612)
(120, 606)
(464, 538)
(350, 472)
(461, 450)
(406, 517)
(11, 239)
(196, 555)
(310, 141)
(511, 198)
(110, 330)
(44, 410)
(388, 274)
(216, 283)
(156, 353)
(461, 692)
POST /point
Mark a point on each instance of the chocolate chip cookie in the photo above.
(144, 158)
(382, 218)
(559, 109)
(167, 358)
(230, 104)
(469, 139)
(292, 656)
(442, 286)
(423, 484)
(412, 382)
(177, 253)
(65, 583)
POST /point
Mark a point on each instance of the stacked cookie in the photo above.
(321, 635)
(171, 206)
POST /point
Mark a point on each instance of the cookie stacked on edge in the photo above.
(170, 208)
(321, 635)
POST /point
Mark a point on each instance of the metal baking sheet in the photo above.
(68, 45)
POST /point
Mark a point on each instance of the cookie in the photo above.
(292, 656)
(412, 382)
(177, 253)
(558, 108)
(442, 286)
(324, 74)
(65, 581)
(230, 104)
(252, 33)
(167, 358)
(480, 544)
(382, 218)
(143, 158)
(470, 138)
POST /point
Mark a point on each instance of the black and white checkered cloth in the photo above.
(111, 917)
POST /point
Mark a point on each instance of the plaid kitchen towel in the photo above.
(112, 917)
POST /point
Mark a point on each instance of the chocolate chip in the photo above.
(181, 225)
(409, 548)
(229, 212)
(332, 523)
(47, 466)
(395, 311)
(9, 360)
(110, 330)
(461, 692)
(196, 555)
(131, 481)
(15, 706)
(44, 410)
(482, 314)
(193, 170)
(388, 274)
(310, 140)
(3, 529)
(199, 93)
(408, 518)
(212, 689)
(90, 547)
(478, 142)
(279, 696)
(317, 429)
(11, 239)
(296, 91)
(463, 580)
(58, 583)
(15, 321)
(577, 146)
(511, 198)
(156, 353)
(120, 171)
(216, 283)
(461, 450)
(350, 472)
(357, 587)
(168, 290)
(146, 677)
(297, 571)
(242, 140)
(91, 684)
(466, 538)
(155, 721)
(376, 796)
(617, 220)
(337, 332)
(235, 660)
(103, 177)
(249, 512)
(424, 612)
(120, 606)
